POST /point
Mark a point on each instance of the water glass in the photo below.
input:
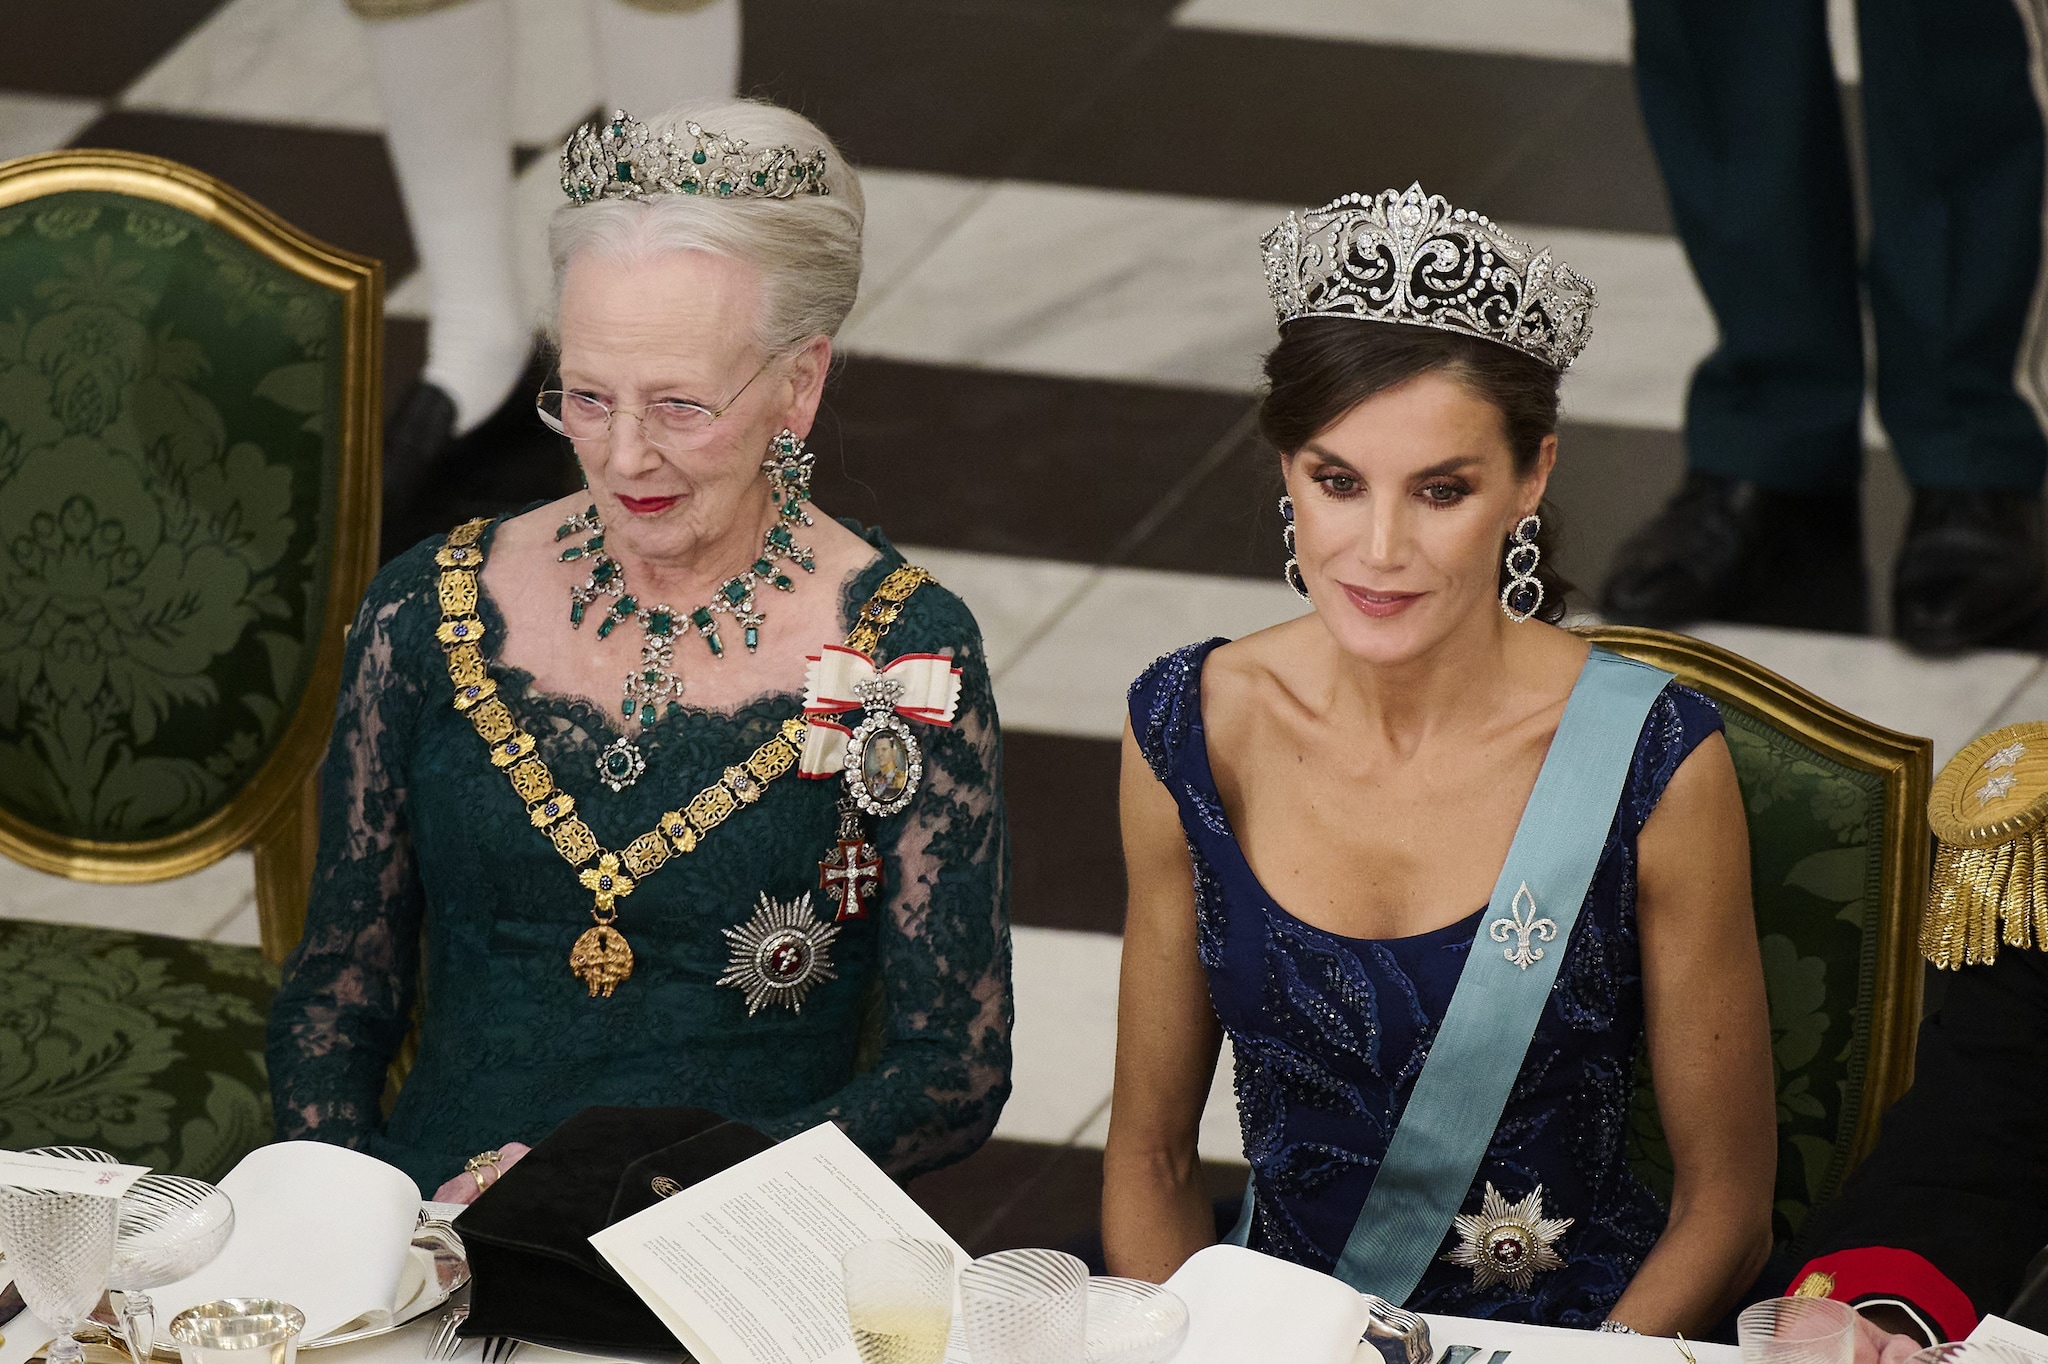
(1967, 1352)
(58, 1246)
(168, 1228)
(899, 1300)
(239, 1331)
(1797, 1331)
(1026, 1307)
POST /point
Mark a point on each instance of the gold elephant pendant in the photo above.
(602, 960)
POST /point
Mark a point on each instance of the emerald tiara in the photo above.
(624, 159)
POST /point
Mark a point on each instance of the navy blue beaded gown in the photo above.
(1329, 1034)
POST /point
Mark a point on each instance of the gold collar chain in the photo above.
(601, 958)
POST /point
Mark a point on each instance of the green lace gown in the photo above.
(433, 888)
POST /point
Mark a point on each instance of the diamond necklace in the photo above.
(656, 680)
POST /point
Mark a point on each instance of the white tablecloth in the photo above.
(1550, 1345)
(407, 1345)
(1528, 1344)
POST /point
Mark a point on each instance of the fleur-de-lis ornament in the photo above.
(1525, 928)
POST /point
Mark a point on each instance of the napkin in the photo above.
(321, 1227)
(1244, 1308)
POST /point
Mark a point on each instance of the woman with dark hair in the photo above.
(1434, 1100)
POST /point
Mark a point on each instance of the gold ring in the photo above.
(480, 1162)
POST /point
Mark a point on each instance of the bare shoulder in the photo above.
(1703, 787)
(522, 535)
(1249, 677)
(1546, 658)
(839, 552)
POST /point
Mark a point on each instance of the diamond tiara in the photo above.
(1406, 256)
(624, 159)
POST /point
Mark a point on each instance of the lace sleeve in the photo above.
(943, 1072)
(346, 1001)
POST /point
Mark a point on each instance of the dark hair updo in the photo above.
(1325, 366)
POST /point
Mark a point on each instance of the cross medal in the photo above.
(851, 874)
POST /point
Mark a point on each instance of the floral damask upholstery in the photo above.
(148, 1047)
(183, 383)
(168, 443)
(1816, 832)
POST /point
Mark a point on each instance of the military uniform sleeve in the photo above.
(1944, 1216)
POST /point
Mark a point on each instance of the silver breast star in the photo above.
(1508, 1243)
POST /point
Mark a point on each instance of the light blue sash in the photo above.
(1479, 1048)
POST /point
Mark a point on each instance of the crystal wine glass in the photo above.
(59, 1246)
(170, 1228)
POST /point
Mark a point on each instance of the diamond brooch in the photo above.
(884, 761)
(620, 764)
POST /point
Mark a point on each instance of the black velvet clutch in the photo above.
(535, 1275)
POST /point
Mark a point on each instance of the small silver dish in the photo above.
(239, 1331)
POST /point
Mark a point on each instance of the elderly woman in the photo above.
(575, 824)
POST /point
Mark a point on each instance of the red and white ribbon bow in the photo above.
(929, 693)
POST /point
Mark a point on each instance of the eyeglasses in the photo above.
(671, 424)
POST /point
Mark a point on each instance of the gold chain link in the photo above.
(512, 749)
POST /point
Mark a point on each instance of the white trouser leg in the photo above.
(652, 58)
(445, 79)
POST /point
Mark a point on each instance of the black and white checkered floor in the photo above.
(1049, 375)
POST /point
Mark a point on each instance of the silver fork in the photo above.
(445, 1343)
(499, 1349)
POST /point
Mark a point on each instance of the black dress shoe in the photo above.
(1973, 569)
(508, 461)
(1732, 550)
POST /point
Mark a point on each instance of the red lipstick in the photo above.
(1380, 605)
(649, 506)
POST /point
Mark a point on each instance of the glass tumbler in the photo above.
(1797, 1331)
(58, 1246)
(899, 1300)
(1026, 1307)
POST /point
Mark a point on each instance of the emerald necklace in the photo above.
(656, 682)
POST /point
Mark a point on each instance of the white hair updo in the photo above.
(806, 248)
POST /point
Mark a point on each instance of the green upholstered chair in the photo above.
(1839, 866)
(189, 401)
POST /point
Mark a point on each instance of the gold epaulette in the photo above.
(1989, 814)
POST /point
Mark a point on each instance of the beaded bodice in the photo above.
(1329, 1034)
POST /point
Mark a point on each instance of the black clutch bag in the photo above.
(534, 1274)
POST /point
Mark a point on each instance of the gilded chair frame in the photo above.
(275, 813)
(1905, 762)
